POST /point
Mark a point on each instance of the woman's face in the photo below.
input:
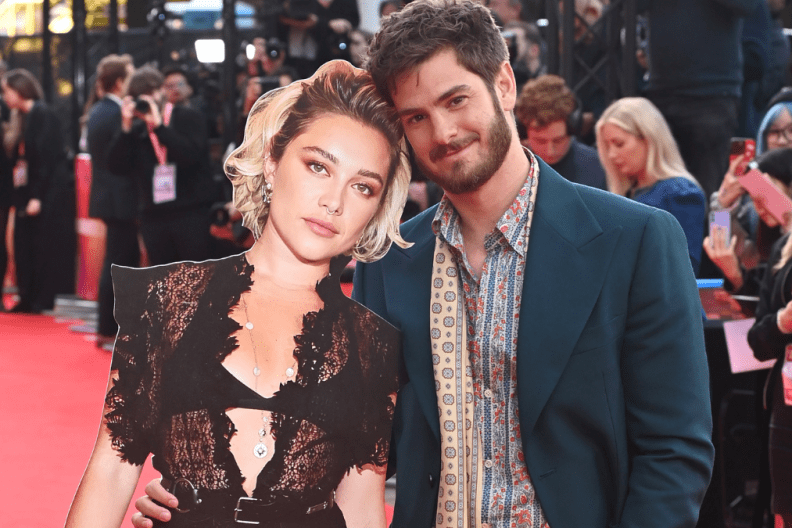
(11, 96)
(759, 203)
(625, 151)
(779, 133)
(327, 187)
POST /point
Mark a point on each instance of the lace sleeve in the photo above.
(131, 403)
(379, 344)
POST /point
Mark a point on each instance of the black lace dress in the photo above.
(172, 392)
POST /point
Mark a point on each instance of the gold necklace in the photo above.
(260, 449)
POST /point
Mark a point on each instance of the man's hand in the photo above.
(33, 207)
(148, 509)
(153, 118)
(127, 113)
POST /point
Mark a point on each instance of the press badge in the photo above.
(164, 183)
(20, 174)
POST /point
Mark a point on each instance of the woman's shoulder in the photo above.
(172, 281)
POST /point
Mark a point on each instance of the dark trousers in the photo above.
(703, 128)
(3, 250)
(121, 247)
(174, 237)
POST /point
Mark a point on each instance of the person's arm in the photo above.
(185, 138)
(666, 385)
(106, 486)
(765, 338)
(361, 497)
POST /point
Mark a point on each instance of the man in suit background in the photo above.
(578, 394)
(113, 196)
(553, 369)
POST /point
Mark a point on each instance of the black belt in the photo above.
(248, 509)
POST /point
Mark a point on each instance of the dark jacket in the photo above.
(132, 154)
(113, 196)
(48, 170)
(695, 46)
(613, 390)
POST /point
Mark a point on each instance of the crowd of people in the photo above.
(392, 136)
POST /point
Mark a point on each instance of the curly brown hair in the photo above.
(423, 28)
(544, 100)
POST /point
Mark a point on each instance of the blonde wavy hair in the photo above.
(281, 115)
(639, 117)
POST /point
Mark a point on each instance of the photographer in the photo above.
(318, 31)
(164, 147)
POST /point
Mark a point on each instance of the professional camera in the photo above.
(142, 106)
(275, 47)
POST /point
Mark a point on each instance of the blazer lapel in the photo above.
(568, 257)
(407, 279)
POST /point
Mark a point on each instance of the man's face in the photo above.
(551, 142)
(176, 88)
(459, 135)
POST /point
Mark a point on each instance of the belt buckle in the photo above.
(193, 493)
(238, 509)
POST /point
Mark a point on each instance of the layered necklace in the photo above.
(260, 449)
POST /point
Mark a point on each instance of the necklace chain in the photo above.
(260, 449)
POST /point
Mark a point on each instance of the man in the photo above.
(177, 88)
(587, 402)
(113, 196)
(528, 47)
(164, 148)
(550, 114)
(696, 75)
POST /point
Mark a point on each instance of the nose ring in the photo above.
(331, 213)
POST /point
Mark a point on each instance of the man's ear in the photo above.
(506, 87)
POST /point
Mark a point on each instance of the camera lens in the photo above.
(142, 106)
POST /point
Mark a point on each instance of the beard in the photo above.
(461, 179)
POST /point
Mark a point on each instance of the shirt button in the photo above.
(487, 394)
(488, 464)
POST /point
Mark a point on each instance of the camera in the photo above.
(275, 47)
(142, 106)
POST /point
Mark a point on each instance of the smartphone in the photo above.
(720, 221)
(740, 146)
(759, 186)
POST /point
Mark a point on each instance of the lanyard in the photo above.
(159, 149)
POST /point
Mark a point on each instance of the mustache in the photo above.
(442, 151)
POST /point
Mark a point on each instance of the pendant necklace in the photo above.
(260, 449)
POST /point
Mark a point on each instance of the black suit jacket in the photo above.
(113, 196)
(132, 154)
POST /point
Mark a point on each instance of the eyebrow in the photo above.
(332, 159)
(445, 95)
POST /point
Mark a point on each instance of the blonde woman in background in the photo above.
(642, 161)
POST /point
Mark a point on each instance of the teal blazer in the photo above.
(612, 374)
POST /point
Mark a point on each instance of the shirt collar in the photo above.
(512, 226)
(114, 98)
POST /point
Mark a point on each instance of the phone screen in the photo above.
(720, 221)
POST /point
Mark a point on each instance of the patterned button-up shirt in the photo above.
(506, 497)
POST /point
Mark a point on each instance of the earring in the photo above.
(266, 192)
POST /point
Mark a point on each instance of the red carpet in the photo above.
(51, 391)
(52, 386)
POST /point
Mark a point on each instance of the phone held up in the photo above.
(720, 221)
(740, 146)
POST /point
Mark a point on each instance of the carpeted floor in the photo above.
(52, 386)
(51, 390)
